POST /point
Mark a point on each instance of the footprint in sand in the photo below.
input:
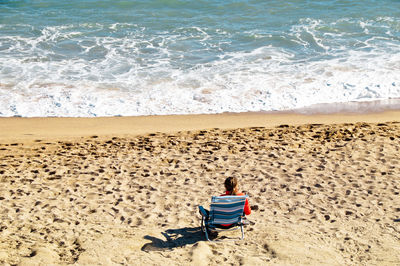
(200, 253)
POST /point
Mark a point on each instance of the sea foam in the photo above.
(126, 69)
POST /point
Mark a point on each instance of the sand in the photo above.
(324, 189)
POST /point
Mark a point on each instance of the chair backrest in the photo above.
(226, 209)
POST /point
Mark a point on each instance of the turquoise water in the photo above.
(106, 58)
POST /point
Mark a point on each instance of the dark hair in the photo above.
(231, 184)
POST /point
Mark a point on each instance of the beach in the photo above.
(119, 118)
(324, 189)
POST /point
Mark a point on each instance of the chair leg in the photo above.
(241, 228)
(204, 227)
(205, 232)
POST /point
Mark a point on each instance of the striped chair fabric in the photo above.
(226, 209)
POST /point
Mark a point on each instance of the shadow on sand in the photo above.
(174, 238)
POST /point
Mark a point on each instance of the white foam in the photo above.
(142, 75)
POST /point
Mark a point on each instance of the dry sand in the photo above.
(324, 189)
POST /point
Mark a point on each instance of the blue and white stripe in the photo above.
(226, 209)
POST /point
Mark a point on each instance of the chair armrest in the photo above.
(203, 211)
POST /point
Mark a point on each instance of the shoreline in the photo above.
(20, 128)
(362, 107)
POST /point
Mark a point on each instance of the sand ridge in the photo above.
(320, 194)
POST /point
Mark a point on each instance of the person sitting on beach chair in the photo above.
(227, 211)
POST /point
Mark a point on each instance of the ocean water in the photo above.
(153, 57)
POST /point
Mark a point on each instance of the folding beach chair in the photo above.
(223, 210)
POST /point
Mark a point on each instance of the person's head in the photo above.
(231, 185)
